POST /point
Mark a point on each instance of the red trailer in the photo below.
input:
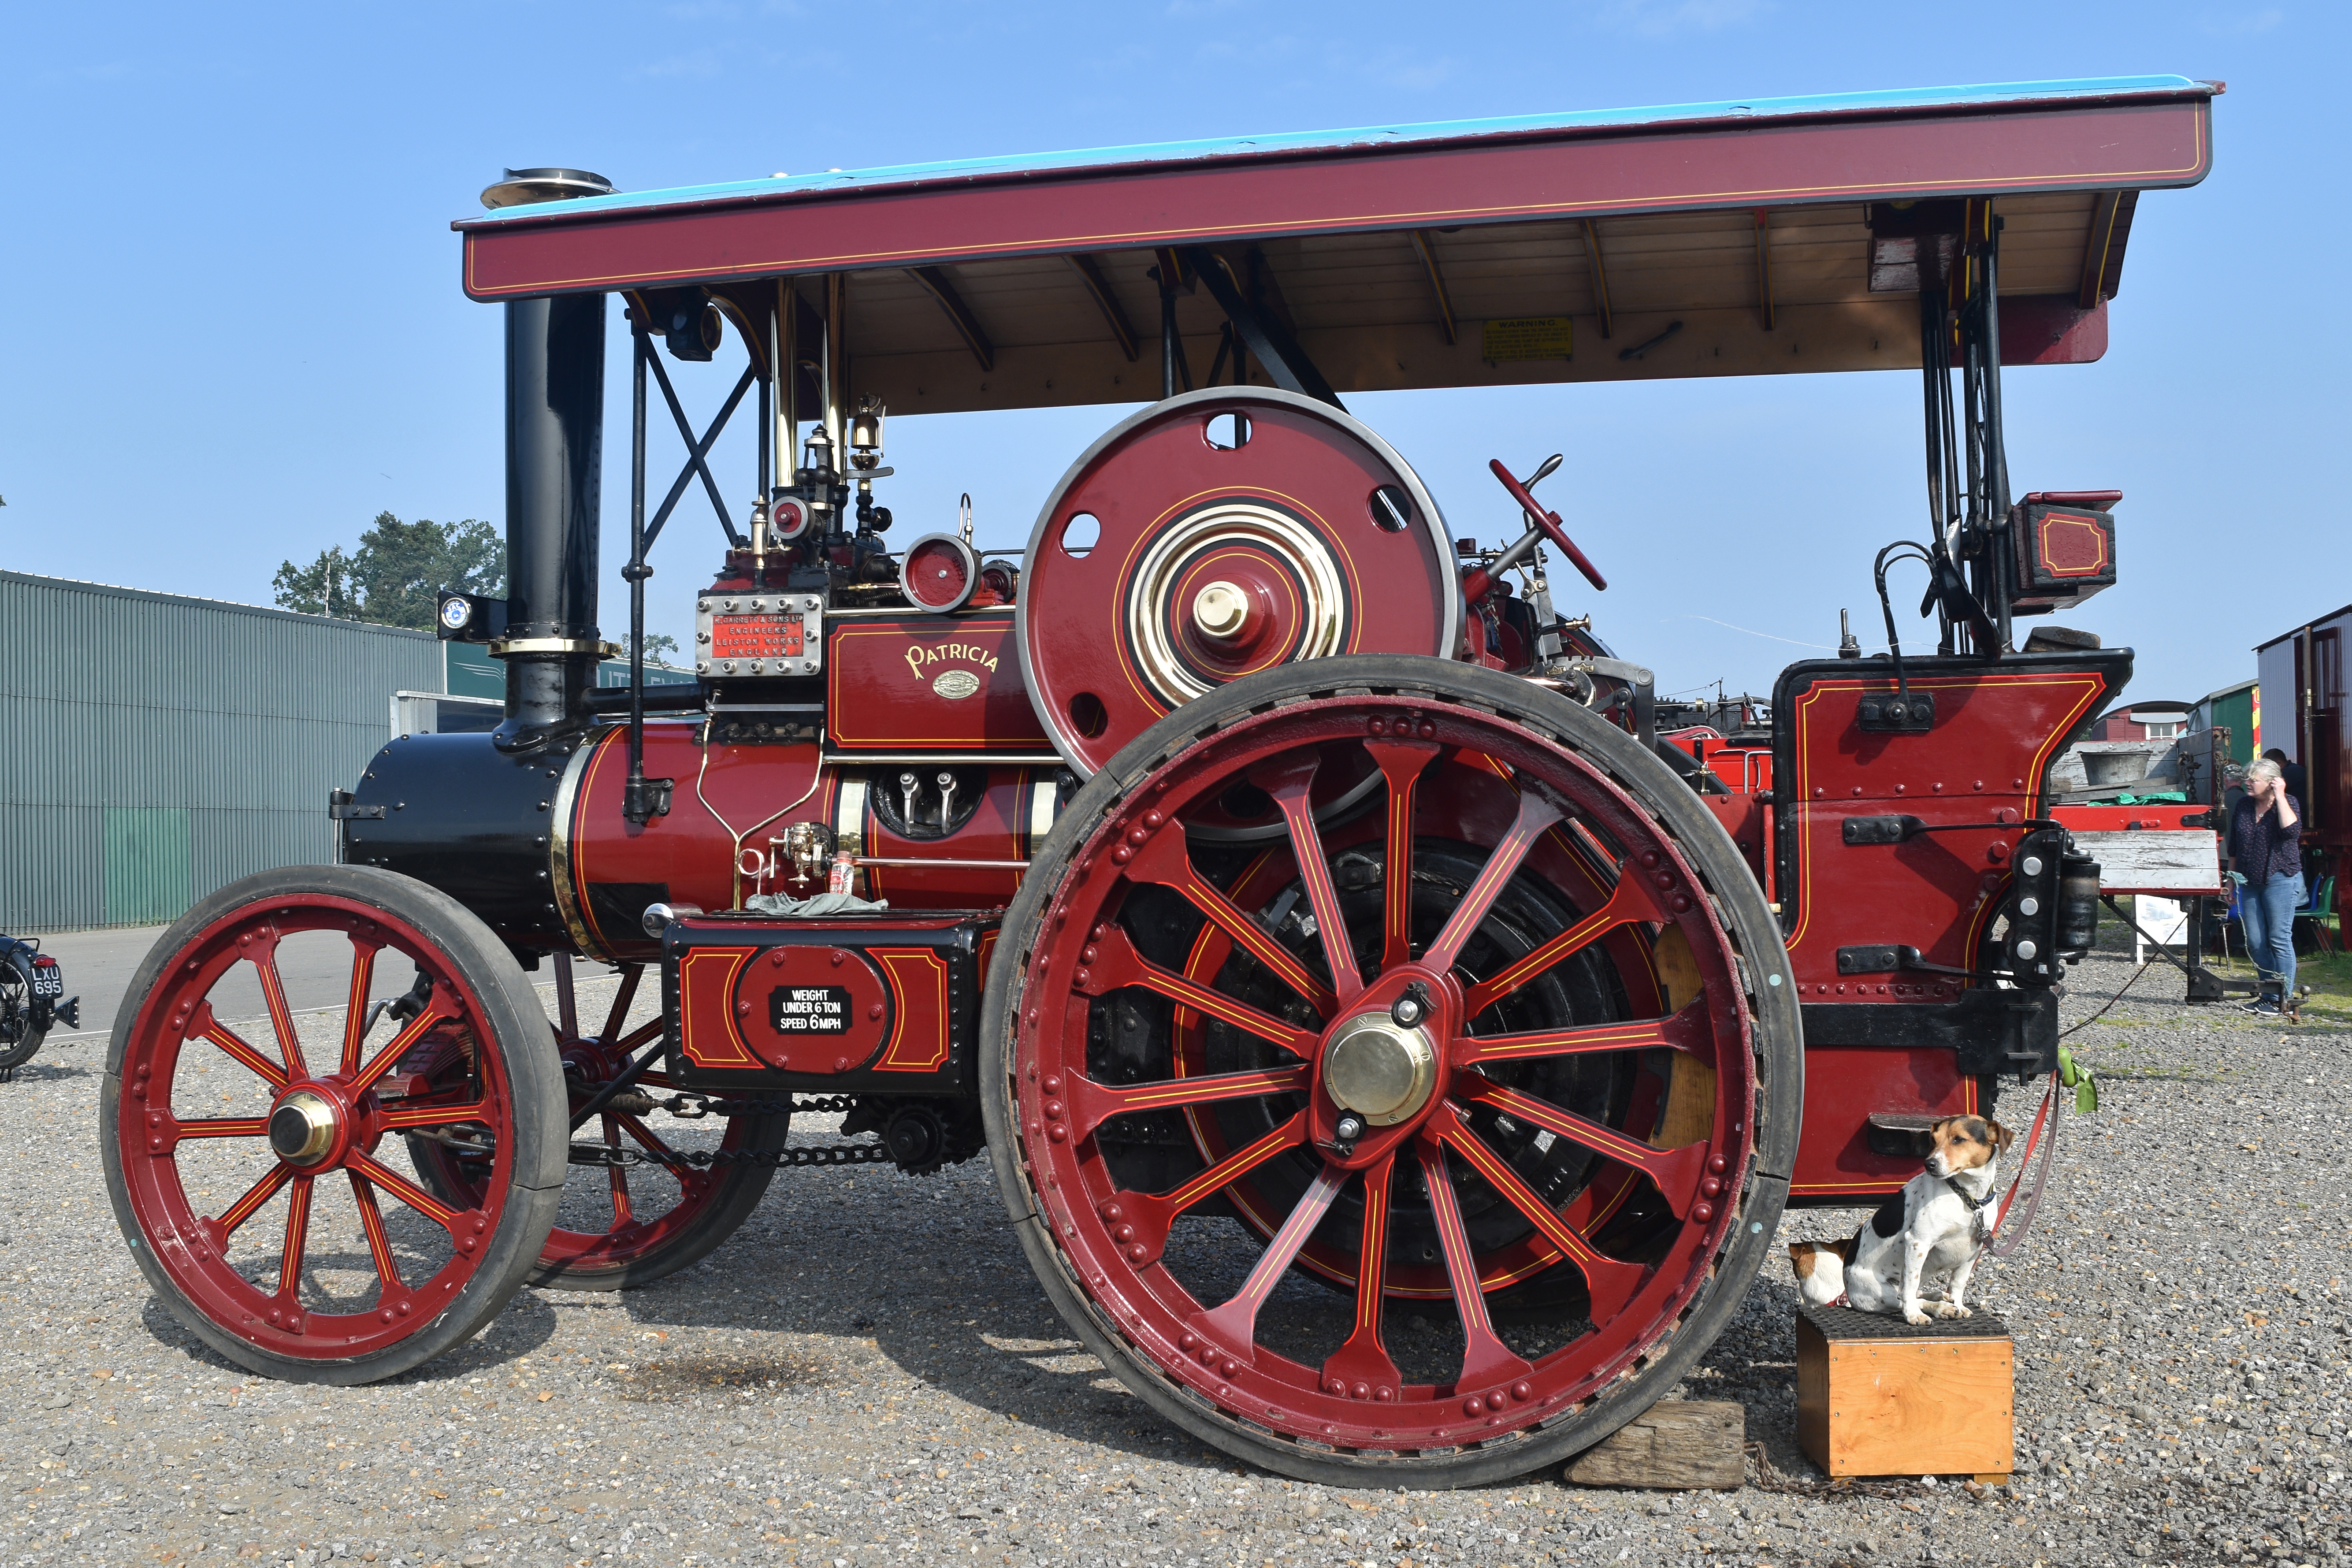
(1394, 1051)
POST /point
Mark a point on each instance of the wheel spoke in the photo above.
(1116, 963)
(355, 1006)
(406, 1115)
(225, 1126)
(1684, 1031)
(1485, 1359)
(208, 1028)
(1151, 1213)
(621, 1001)
(619, 1174)
(1291, 782)
(1235, 1323)
(387, 1271)
(297, 1237)
(1631, 901)
(1091, 1103)
(281, 1015)
(388, 1057)
(1535, 814)
(1363, 1362)
(1164, 861)
(406, 1191)
(1611, 1283)
(637, 1036)
(1676, 1172)
(1401, 762)
(260, 1193)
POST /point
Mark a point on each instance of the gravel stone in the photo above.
(867, 1374)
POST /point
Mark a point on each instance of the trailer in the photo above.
(1395, 1048)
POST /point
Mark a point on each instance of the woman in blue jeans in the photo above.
(2266, 850)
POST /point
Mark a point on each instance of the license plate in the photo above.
(49, 983)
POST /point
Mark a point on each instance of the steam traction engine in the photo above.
(1395, 1034)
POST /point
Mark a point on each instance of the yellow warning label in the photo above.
(1528, 337)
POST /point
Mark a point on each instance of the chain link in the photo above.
(692, 1106)
(823, 1154)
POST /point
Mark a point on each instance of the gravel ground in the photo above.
(867, 1374)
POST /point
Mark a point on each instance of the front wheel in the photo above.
(243, 1147)
(1473, 1019)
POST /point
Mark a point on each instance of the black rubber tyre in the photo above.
(1756, 1199)
(19, 1040)
(531, 1120)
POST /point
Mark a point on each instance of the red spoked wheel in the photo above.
(1505, 1049)
(618, 1229)
(244, 1144)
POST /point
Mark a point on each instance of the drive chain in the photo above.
(694, 1107)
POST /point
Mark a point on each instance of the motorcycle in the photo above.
(32, 999)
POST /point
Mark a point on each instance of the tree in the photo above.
(395, 576)
(659, 647)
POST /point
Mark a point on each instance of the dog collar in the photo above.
(1991, 1192)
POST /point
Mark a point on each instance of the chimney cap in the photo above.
(521, 187)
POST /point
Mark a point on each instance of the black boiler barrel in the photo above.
(555, 437)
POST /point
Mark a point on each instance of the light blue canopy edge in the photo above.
(838, 181)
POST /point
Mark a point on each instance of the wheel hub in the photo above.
(1379, 1070)
(302, 1128)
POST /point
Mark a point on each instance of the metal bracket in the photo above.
(1890, 958)
(339, 808)
(1896, 713)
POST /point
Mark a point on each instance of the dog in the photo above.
(1933, 1230)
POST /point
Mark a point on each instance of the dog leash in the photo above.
(2044, 1138)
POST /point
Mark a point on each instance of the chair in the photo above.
(2321, 912)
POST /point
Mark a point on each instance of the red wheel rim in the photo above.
(1433, 1145)
(420, 1249)
(640, 1220)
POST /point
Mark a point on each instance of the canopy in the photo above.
(1705, 239)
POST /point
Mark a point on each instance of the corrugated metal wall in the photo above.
(155, 748)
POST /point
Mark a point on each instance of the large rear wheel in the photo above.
(1470, 1015)
(243, 1142)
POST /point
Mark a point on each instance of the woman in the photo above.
(2266, 850)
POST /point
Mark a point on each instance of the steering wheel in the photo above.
(1548, 521)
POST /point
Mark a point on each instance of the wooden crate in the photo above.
(1879, 1396)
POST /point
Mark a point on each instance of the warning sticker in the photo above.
(810, 1009)
(1528, 337)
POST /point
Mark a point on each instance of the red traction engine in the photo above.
(1396, 1035)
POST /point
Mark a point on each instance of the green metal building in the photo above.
(155, 747)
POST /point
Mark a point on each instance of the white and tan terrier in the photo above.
(1933, 1230)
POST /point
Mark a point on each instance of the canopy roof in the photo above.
(1388, 252)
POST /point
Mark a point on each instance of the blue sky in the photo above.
(237, 333)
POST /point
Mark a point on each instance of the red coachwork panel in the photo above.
(929, 683)
(1980, 771)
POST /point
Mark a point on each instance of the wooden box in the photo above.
(1879, 1396)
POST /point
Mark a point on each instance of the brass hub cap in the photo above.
(1381, 1071)
(1221, 610)
(302, 1128)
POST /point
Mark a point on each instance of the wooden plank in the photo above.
(2156, 860)
(1674, 1446)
